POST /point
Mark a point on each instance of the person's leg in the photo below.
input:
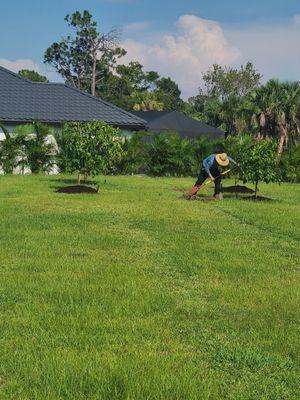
(218, 186)
(218, 179)
(198, 184)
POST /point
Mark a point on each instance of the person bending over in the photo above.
(210, 169)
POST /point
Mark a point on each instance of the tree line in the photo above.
(232, 99)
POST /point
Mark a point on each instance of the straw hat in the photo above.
(222, 159)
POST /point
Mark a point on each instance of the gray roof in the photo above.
(174, 121)
(24, 101)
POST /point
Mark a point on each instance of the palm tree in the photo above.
(272, 111)
(292, 90)
(255, 110)
(39, 153)
(10, 151)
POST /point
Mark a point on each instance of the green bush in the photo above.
(10, 151)
(135, 154)
(39, 155)
(27, 147)
(169, 155)
(89, 148)
(166, 154)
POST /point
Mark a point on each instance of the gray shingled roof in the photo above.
(174, 121)
(22, 101)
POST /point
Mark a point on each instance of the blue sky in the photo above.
(263, 31)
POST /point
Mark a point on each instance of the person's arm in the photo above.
(207, 164)
(233, 161)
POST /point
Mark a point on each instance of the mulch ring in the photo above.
(77, 189)
(237, 189)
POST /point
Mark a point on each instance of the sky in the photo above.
(177, 38)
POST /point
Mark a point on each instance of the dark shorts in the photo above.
(203, 175)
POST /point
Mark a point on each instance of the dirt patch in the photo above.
(205, 199)
(237, 189)
(188, 197)
(257, 198)
(77, 189)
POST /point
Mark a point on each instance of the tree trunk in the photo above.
(235, 184)
(256, 189)
(282, 139)
(93, 82)
(78, 179)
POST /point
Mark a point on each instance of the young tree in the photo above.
(32, 75)
(84, 58)
(89, 148)
(259, 162)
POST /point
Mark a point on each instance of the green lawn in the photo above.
(135, 293)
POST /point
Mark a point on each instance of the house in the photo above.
(23, 101)
(174, 121)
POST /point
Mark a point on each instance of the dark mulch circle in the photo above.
(237, 189)
(257, 198)
(77, 189)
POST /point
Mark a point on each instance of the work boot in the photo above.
(192, 194)
(195, 189)
(218, 196)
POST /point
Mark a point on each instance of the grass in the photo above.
(135, 293)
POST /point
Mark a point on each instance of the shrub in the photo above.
(38, 154)
(135, 154)
(164, 154)
(290, 164)
(90, 148)
(10, 151)
(170, 155)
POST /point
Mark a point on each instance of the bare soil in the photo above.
(237, 189)
(205, 199)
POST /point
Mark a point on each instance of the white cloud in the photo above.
(137, 26)
(296, 19)
(273, 49)
(198, 43)
(17, 65)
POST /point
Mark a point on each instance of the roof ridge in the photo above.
(8, 71)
